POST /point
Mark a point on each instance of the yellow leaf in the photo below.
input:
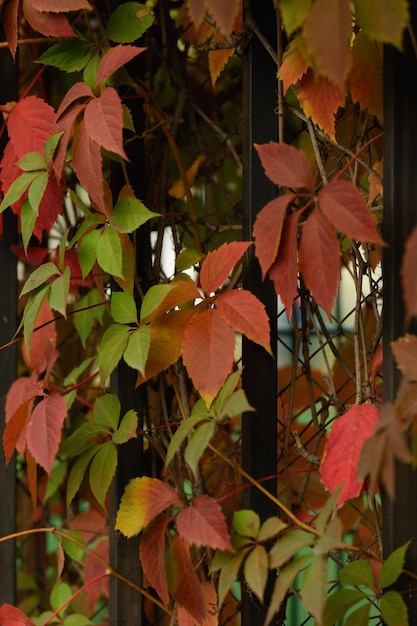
(178, 190)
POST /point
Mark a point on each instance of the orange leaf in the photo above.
(218, 58)
(293, 67)
(18, 406)
(197, 11)
(217, 266)
(44, 429)
(345, 208)
(245, 314)
(343, 448)
(208, 349)
(312, 92)
(178, 189)
(152, 555)
(285, 165)
(320, 260)
(284, 271)
(210, 602)
(365, 76)
(183, 582)
(42, 345)
(223, 13)
(204, 524)
(408, 274)
(327, 30)
(268, 228)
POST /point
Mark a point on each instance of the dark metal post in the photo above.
(400, 217)
(8, 320)
(259, 431)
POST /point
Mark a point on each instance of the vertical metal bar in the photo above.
(8, 357)
(259, 431)
(400, 217)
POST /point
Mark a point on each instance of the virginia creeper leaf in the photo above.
(29, 125)
(129, 214)
(137, 349)
(152, 555)
(208, 349)
(359, 617)
(114, 59)
(366, 73)
(10, 24)
(31, 312)
(86, 160)
(78, 471)
(46, 23)
(246, 523)
(42, 354)
(107, 411)
(80, 439)
(128, 22)
(312, 91)
(19, 403)
(285, 165)
(314, 587)
(320, 260)
(127, 429)
(383, 20)
(102, 469)
(143, 499)
(229, 572)
(203, 524)
(162, 298)
(181, 433)
(287, 546)
(256, 570)
(60, 6)
(393, 566)
(37, 189)
(211, 608)
(267, 230)
(394, 610)
(283, 271)
(183, 582)
(293, 13)
(69, 56)
(87, 254)
(294, 65)
(11, 616)
(31, 162)
(58, 293)
(198, 443)
(104, 121)
(109, 251)
(17, 189)
(271, 527)
(224, 14)
(197, 11)
(345, 208)
(217, 266)
(39, 276)
(112, 346)
(79, 90)
(343, 448)
(236, 404)
(338, 604)
(45, 427)
(282, 584)
(123, 308)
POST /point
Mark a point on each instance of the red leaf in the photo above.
(366, 75)
(29, 125)
(343, 448)
(312, 91)
(44, 430)
(152, 555)
(10, 25)
(86, 160)
(42, 345)
(345, 208)
(49, 24)
(208, 349)
(114, 59)
(183, 582)
(320, 260)
(210, 601)
(217, 266)
(408, 275)
(204, 524)
(60, 6)
(65, 124)
(284, 271)
(50, 206)
(79, 90)
(104, 121)
(19, 402)
(405, 352)
(245, 314)
(11, 616)
(285, 165)
(94, 568)
(197, 11)
(223, 13)
(268, 228)
(89, 524)
(33, 256)
(293, 67)
(327, 31)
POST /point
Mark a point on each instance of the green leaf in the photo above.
(112, 346)
(359, 617)
(393, 566)
(357, 573)
(123, 308)
(78, 471)
(187, 258)
(61, 593)
(181, 434)
(127, 429)
(153, 298)
(338, 603)
(37, 189)
(326, 511)
(28, 217)
(229, 572)
(124, 26)
(39, 276)
(256, 571)
(271, 527)
(102, 470)
(51, 144)
(76, 619)
(109, 251)
(198, 443)
(394, 610)
(226, 391)
(107, 411)
(73, 549)
(383, 20)
(246, 523)
(31, 312)
(287, 546)
(293, 13)
(73, 376)
(236, 404)
(314, 586)
(58, 293)
(87, 254)
(84, 320)
(70, 56)
(137, 349)
(31, 162)
(55, 479)
(283, 584)
(17, 189)
(80, 439)
(90, 70)
(129, 214)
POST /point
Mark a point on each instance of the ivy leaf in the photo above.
(245, 314)
(286, 547)
(102, 469)
(346, 209)
(112, 346)
(394, 610)
(47, 23)
(107, 411)
(109, 251)
(282, 584)
(137, 349)
(39, 276)
(383, 20)
(357, 573)
(343, 448)
(339, 603)
(58, 294)
(256, 570)
(162, 298)
(313, 588)
(44, 429)
(123, 308)
(129, 214)
(320, 260)
(86, 160)
(283, 271)
(181, 434)
(78, 471)
(327, 33)
(246, 523)
(69, 56)
(393, 567)
(217, 266)
(104, 121)
(198, 443)
(203, 524)
(114, 59)
(152, 555)
(183, 581)
(127, 429)
(143, 499)
(268, 228)
(128, 22)
(293, 13)
(208, 349)
(285, 165)
(312, 91)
